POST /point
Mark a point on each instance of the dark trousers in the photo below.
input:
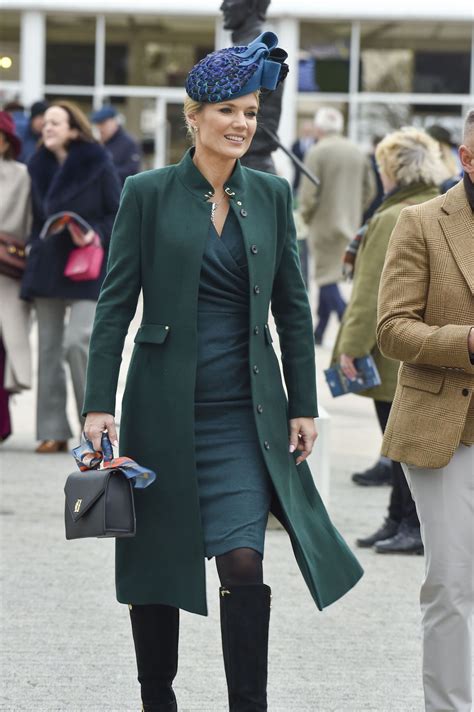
(401, 506)
(330, 300)
(5, 423)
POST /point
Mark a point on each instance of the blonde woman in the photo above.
(212, 244)
(410, 168)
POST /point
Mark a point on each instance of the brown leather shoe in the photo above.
(50, 446)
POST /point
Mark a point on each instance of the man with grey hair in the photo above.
(333, 210)
(426, 321)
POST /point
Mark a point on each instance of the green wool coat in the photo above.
(357, 333)
(157, 246)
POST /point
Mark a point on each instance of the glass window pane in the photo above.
(83, 102)
(9, 46)
(324, 56)
(70, 50)
(426, 57)
(154, 51)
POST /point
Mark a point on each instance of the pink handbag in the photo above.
(85, 263)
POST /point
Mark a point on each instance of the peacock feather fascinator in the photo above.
(235, 71)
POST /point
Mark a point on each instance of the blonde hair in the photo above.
(191, 106)
(410, 156)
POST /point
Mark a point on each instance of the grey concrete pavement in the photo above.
(66, 644)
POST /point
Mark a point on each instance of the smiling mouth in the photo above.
(235, 139)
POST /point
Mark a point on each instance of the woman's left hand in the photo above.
(79, 238)
(303, 435)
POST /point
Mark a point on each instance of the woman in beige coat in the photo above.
(15, 220)
(410, 168)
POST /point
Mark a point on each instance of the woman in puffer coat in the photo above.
(70, 172)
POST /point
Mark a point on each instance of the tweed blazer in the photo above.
(425, 313)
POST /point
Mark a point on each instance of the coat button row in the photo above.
(256, 289)
(465, 391)
(256, 330)
(259, 408)
(255, 369)
(254, 250)
(266, 445)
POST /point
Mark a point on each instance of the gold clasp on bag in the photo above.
(77, 506)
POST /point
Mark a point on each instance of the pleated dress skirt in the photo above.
(233, 481)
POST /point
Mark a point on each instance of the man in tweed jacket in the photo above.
(426, 320)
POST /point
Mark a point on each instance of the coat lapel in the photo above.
(458, 229)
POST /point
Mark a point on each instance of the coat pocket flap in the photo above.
(83, 489)
(152, 334)
(421, 377)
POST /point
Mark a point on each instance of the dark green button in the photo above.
(254, 250)
(266, 445)
(244, 213)
(256, 330)
(256, 289)
(255, 369)
(259, 408)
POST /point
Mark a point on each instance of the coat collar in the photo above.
(455, 199)
(200, 187)
(403, 195)
(56, 183)
(458, 228)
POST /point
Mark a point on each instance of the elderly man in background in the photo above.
(334, 209)
(123, 148)
(426, 320)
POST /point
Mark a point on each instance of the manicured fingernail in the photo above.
(292, 448)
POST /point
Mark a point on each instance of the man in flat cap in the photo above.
(123, 148)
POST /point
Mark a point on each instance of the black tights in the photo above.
(240, 567)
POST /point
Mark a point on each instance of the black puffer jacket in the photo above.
(86, 184)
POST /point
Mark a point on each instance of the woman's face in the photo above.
(226, 128)
(57, 133)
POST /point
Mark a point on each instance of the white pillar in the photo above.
(354, 75)
(99, 66)
(33, 55)
(288, 31)
(222, 38)
(161, 135)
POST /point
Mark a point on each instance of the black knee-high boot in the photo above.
(155, 631)
(245, 617)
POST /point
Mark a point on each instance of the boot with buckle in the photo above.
(245, 618)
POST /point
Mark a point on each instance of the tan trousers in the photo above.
(445, 504)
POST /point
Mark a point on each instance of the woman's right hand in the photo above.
(96, 424)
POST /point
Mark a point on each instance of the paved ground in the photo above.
(65, 642)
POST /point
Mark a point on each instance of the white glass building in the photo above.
(385, 64)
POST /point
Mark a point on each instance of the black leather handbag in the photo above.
(99, 503)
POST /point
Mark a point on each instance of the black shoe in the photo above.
(318, 339)
(245, 617)
(387, 531)
(376, 476)
(406, 541)
(155, 631)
